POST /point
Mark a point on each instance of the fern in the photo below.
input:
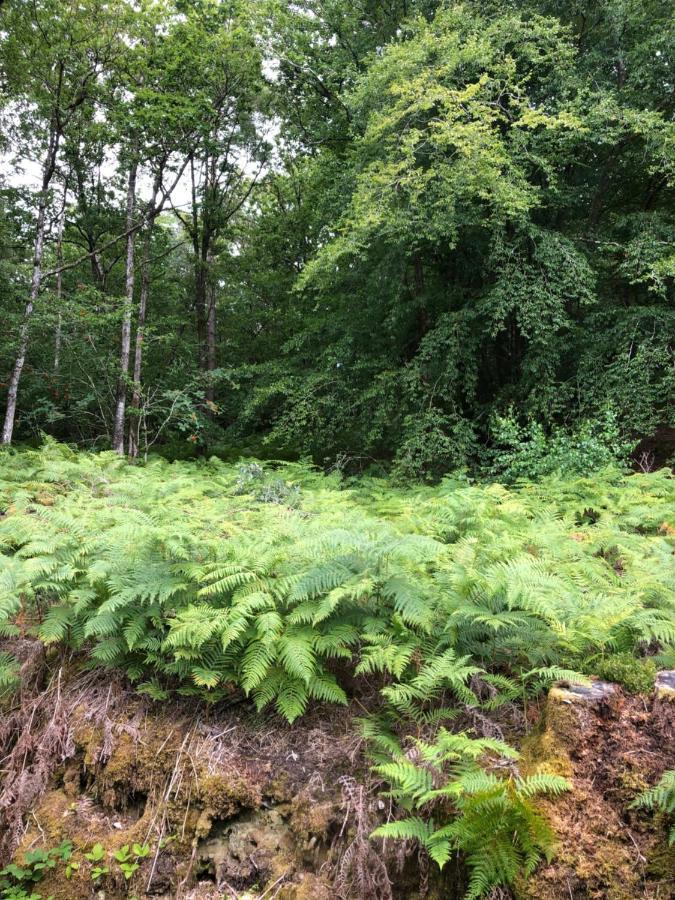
(492, 823)
(442, 598)
(9, 673)
(661, 798)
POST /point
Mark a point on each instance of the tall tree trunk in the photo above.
(48, 168)
(210, 330)
(97, 270)
(200, 245)
(135, 418)
(59, 281)
(125, 343)
(201, 307)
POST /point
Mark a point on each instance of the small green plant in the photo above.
(661, 798)
(16, 880)
(252, 479)
(71, 868)
(16, 892)
(97, 855)
(129, 858)
(634, 674)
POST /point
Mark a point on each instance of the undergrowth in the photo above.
(209, 579)
(661, 798)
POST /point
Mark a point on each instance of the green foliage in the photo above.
(128, 858)
(176, 575)
(421, 238)
(661, 798)
(468, 808)
(451, 599)
(9, 674)
(16, 880)
(636, 675)
(528, 452)
(469, 212)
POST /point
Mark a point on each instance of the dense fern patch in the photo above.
(208, 578)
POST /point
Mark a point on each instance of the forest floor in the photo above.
(219, 681)
(232, 803)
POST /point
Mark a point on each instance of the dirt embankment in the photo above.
(233, 804)
(229, 803)
(611, 747)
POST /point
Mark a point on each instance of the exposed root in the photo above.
(361, 871)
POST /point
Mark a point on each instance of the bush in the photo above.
(526, 451)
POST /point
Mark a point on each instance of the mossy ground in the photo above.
(221, 797)
(606, 850)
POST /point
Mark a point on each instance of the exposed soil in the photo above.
(611, 748)
(234, 804)
(231, 803)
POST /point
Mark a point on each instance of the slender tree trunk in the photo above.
(200, 243)
(59, 282)
(94, 261)
(36, 280)
(135, 418)
(210, 330)
(201, 307)
(125, 344)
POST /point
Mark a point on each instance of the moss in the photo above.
(311, 818)
(88, 740)
(635, 675)
(280, 789)
(134, 767)
(56, 818)
(542, 754)
(632, 781)
(225, 795)
(544, 751)
(308, 887)
(666, 692)
(661, 862)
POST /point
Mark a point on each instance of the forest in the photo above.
(337, 508)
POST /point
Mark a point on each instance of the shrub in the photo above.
(527, 451)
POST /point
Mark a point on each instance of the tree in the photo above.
(400, 232)
(228, 154)
(54, 55)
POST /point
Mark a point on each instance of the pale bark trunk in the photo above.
(36, 280)
(125, 344)
(135, 420)
(210, 331)
(58, 337)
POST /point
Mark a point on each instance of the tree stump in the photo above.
(601, 697)
(664, 701)
(665, 686)
(570, 720)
